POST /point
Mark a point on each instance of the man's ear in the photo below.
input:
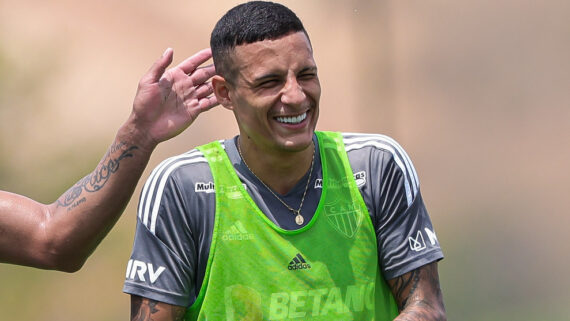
(222, 91)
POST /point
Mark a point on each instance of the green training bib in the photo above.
(327, 270)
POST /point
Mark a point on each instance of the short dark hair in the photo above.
(248, 23)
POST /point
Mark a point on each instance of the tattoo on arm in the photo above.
(143, 309)
(97, 179)
(178, 313)
(404, 287)
(418, 294)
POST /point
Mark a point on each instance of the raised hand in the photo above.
(63, 234)
(168, 101)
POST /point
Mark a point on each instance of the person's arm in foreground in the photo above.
(418, 295)
(63, 234)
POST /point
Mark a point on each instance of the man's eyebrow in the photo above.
(310, 68)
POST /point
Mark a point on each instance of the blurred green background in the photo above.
(476, 91)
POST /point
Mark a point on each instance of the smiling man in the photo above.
(282, 222)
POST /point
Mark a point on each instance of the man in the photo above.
(62, 235)
(282, 222)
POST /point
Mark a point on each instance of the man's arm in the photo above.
(418, 295)
(143, 309)
(63, 234)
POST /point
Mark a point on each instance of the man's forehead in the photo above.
(290, 49)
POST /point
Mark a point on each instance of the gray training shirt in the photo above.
(177, 206)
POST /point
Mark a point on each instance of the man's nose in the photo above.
(293, 92)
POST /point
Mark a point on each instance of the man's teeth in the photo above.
(292, 120)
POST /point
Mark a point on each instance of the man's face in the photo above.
(275, 93)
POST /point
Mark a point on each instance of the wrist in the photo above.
(132, 133)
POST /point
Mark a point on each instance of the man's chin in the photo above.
(298, 144)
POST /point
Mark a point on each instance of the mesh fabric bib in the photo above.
(327, 270)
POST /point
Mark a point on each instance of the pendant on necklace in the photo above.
(299, 219)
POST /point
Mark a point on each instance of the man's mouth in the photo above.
(292, 120)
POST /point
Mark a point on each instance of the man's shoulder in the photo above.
(186, 162)
(381, 154)
(366, 142)
(178, 186)
(190, 166)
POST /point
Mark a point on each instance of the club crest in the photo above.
(345, 217)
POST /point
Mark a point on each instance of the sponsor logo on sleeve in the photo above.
(418, 242)
(139, 270)
(431, 235)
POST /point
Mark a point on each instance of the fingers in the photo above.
(208, 103)
(189, 70)
(203, 95)
(157, 69)
(191, 63)
(187, 80)
(202, 74)
(188, 66)
(204, 90)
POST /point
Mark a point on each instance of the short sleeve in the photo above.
(390, 188)
(155, 272)
(405, 234)
(161, 266)
(407, 240)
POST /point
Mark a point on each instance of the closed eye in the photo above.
(268, 83)
(307, 76)
(308, 73)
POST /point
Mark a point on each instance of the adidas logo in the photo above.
(298, 263)
(237, 232)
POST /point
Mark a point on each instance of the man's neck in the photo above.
(280, 171)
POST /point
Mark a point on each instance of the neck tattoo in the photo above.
(299, 219)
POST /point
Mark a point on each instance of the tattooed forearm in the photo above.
(422, 310)
(418, 295)
(98, 178)
(178, 313)
(116, 147)
(404, 287)
(142, 309)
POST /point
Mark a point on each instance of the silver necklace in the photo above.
(299, 219)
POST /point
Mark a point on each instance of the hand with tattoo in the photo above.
(62, 235)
